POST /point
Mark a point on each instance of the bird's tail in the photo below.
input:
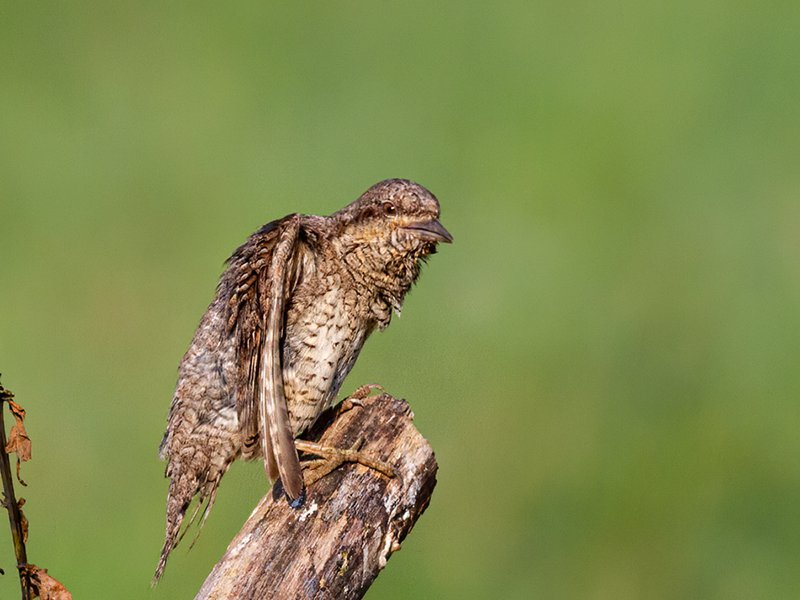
(191, 474)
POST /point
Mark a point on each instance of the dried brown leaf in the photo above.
(23, 520)
(46, 586)
(18, 440)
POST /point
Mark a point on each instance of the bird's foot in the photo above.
(333, 458)
(362, 393)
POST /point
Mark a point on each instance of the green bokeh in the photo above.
(605, 361)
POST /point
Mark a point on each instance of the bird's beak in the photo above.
(431, 230)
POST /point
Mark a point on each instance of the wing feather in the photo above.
(274, 424)
(262, 274)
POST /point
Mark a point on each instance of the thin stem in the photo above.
(10, 500)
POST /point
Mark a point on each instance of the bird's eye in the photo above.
(389, 208)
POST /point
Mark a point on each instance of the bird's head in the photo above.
(387, 233)
(397, 217)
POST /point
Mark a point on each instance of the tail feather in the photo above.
(192, 474)
(176, 510)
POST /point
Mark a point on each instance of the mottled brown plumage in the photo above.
(292, 311)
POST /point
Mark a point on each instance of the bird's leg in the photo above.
(333, 458)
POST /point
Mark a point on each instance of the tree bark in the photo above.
(352, 520)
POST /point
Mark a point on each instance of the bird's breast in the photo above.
(323, 337)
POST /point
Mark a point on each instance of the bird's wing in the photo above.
(263, 274)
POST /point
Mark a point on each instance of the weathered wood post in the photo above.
(336, 544)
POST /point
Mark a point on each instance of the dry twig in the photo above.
(34, 582)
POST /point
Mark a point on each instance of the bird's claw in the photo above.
(333, 458)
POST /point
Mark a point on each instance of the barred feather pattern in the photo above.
(292, 311)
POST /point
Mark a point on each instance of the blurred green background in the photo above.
(605, 361)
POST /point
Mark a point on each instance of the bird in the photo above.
(292, 310)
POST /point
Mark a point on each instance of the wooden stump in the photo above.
(337, 542)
